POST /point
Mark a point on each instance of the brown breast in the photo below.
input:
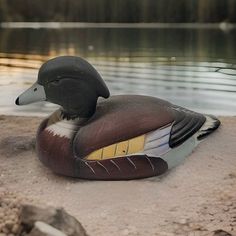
(53, 150)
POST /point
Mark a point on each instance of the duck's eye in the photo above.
(55, 82)
(35, 89)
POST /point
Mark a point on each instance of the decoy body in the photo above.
(113, 138)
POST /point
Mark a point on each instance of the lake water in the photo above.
(192, 68)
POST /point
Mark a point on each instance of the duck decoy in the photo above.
(111, 138)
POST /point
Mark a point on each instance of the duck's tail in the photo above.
(210, 125)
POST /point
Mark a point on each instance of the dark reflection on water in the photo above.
(192, 68)
(214, 44)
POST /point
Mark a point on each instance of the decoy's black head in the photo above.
(70, 82)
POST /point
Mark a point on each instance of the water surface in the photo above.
(191, 68)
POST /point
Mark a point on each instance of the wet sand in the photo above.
(196, 198)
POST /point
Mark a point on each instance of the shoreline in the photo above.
(196, 198)
(224, 26)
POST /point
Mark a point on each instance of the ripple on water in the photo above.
(204, 86)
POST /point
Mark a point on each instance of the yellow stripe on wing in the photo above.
(109, 151)
(123, 148)
(136, 144)
(96, 155)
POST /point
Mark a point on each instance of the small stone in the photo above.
(43, 229)
(221, 232)
(182, 221)
(195, 226)
(226, 208)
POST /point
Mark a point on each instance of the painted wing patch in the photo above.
(155, 143)
(128, 147)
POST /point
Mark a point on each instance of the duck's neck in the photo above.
(67, 116)
(81, 110)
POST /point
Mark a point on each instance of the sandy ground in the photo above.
(193, 199)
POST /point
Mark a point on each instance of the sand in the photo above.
(196, 198)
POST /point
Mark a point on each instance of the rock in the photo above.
(57, 218)
(43, 229)
(221, 232)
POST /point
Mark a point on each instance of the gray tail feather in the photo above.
(210, 125)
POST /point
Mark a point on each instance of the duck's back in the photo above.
(120, 118)
(124, 117)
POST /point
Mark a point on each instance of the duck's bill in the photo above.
(35, 93)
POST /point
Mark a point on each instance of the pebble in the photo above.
(43, 229)
(195, 226)
(226, 208)
(182, 221)
(221, 233)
